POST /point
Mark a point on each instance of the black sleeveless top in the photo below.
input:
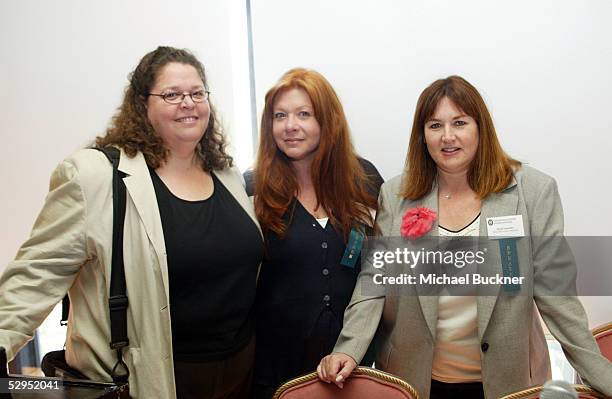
(214, 249)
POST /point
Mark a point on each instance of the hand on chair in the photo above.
(336, 368)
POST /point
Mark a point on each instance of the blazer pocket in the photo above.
(383, 359)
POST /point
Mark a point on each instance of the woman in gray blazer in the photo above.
(459, 182)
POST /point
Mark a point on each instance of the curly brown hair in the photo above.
(131, 130)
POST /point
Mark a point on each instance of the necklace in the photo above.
(447, 196)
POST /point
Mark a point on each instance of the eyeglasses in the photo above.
(173, 97)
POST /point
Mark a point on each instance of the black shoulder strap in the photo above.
(118, 300)
(65, 310)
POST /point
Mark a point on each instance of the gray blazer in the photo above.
(514, 355)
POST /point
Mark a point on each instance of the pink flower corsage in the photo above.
(417, 222)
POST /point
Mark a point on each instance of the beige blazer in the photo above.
(70, 250)
(514, 354)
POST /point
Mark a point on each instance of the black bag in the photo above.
(55, 387)
(54, 363)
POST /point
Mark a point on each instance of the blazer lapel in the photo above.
(496, 204)
(140, 190)
(429, 302)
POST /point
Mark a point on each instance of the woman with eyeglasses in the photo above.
(192, 245)
(470, 341)
(315, 199)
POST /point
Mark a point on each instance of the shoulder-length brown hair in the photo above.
(131, 130)
(491, 170)
(339, 180)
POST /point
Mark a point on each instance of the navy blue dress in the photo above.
(302, 293)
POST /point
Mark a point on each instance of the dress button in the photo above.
(326, 298)
(325, 272)
(324, 245)
(484, 346)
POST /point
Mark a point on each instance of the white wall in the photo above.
(544, 68)
(63, 70)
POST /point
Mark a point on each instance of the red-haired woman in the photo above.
(315, 200)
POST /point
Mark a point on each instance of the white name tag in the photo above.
(505, 226)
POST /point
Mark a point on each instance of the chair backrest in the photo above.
(584, 392)
(364, 383)
(603, 336)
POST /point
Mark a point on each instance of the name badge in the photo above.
(353, 249)
(505, 227)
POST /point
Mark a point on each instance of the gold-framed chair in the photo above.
(584, 392)
(603, 337)
(363, 383)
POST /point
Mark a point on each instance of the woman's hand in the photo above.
(336, 368)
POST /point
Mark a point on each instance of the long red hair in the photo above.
(340, 183)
